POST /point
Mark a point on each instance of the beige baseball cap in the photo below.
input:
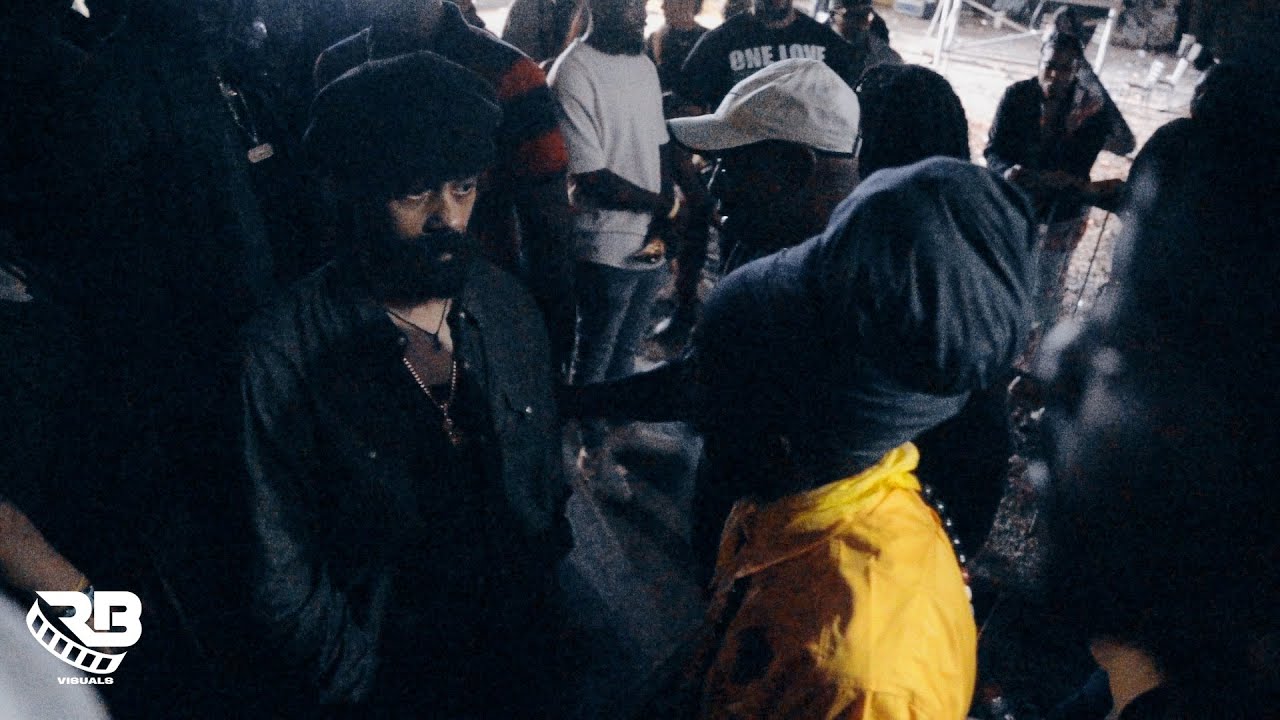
(799, 100)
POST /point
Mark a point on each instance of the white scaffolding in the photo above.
(946, 21)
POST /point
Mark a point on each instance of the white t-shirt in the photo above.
(611, 118)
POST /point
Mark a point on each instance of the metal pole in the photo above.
(1097, 244)
(1105, 42)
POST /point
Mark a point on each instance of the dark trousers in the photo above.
(614, 307)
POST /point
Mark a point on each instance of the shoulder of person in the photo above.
(734, 26)
(1020, 92)
(1030, 86)
(557, 73)
(303, 319)
(494, 295)
(475, 48)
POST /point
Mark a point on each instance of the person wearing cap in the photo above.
(611, 116)
(782, 140)
(522, 216)
(855, 21)
(400, 433)
(771, 32)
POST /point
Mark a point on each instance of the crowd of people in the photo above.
(304, 314)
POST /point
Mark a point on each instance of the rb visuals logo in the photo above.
(109, 610)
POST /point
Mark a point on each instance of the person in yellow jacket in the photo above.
(852, 605)
(838, 592)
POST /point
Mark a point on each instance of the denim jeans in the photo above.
(614, 306)
(1057, 245)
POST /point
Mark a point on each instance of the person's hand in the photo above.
(1106, 187)
(1020, 176)
(654, 250)
(1057, 180)
(1106, 194)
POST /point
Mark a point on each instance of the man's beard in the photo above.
(432, 265)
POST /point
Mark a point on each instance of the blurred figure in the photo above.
(855, 21)
(522, 220)
(669, 45)
(1161, 425)
(156, 248)
(541, 28)
(622, 190)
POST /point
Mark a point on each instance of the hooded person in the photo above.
(811, 373)
(400, 434)
(910, 113)
(860, 339)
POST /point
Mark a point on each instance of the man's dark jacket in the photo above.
(1015, 139)
(333, 498)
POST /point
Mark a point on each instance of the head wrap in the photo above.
(386, 127)
(861, 338)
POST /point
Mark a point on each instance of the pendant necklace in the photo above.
(450, 428)
(434, 335)
(447, 424)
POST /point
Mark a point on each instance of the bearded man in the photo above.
(400, 431)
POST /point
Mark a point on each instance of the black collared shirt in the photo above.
(360, 504)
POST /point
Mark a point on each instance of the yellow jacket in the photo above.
(842, 602)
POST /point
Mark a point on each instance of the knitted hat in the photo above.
(389, 127)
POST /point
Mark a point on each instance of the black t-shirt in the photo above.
(668, 48)
(743, 45)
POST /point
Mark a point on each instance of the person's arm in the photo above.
(604, 189)
(1005, 142)
(542, 205)
(304, 614)
(666, 393)
(28, 561)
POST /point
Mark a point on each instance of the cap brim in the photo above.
(708, 133)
